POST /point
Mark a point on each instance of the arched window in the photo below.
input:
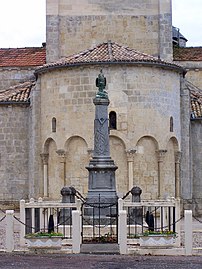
(112, 120)
(53, 125)
(171, 124)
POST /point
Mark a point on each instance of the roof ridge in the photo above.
(108, 52)
(109, 45)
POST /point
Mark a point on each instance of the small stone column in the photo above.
(62, 159)
(44, 157)
(177, 174)
(137, 212)
(161, 154)
(68, 196)
(130, 160)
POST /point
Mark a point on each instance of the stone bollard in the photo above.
(68, 196)
(136, 214)
(188, 232)
(136, 192)
(9, 230)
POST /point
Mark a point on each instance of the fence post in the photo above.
(9, 230)
(120, 204)
(120, 207)
(188, 232)
(123, 234)
(22, 219)
(76, 231)
(178, 224)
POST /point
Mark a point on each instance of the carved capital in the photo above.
(161, 154)
(177, 156)
(44, 157)
(62, 154)
(130, 154)
(90, 153)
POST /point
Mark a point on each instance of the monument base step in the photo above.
(100, 248)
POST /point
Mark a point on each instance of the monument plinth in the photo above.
(101, 184)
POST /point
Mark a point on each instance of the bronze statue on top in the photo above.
(101, 84)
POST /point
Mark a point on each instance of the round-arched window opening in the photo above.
(171, 124)
(112, 120)
(53, 125)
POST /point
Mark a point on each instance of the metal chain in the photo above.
(126, 195)
(106, 206)
(80, 196)
(158, 228)
(35, 227)
(2, 218)
(197, 219)
(24, 223)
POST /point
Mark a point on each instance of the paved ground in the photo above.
(98, 262)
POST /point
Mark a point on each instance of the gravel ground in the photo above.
(98, 262)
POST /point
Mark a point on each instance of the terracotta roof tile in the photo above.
(22, 57)
(187, 54)
(105, 53)
(196, 100)
(19, 93)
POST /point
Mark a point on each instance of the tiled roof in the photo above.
(196, 100)
(106, 53)
(17, 94)
(187, 54)
(22, 57)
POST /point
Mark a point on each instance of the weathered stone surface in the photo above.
(128, 23)
(12, 76)
(14, 148)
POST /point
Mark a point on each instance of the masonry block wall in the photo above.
(196, 145)
(14, 153)
(73, 26)
(10, 76)
(144, 104)
(194, 72)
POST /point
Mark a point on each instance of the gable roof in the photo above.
(18, 94)
(110, 53)
(187, 54)
(22, 57)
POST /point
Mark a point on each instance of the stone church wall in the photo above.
(144, 99)
(14, 153)
(73, 26)
(196, 145)
(194, 72)
(10, 76)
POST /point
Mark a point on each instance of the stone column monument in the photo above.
(101, 184)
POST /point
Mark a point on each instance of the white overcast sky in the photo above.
(22, 22)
